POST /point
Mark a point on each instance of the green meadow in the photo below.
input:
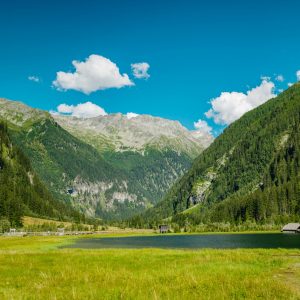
(37, 268)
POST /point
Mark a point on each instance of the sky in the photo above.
(203, 63)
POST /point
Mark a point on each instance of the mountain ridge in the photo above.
(99, 181)
(237, 178)
(134, 133)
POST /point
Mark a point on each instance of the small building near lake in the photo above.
(60, 231)
(163, 228)
(291, 228)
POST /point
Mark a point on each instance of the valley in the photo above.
(108, 167)
(149, 150)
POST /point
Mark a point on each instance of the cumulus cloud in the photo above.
(34, 78)
(140, 70)
(81, 110)
(298, 75)
(131, 115)
(230, 106)
(202, 126)
(203, 132)
(94, 74)
(279, 78)
(289, 84)
(267, 78)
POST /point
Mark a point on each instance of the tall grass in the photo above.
(33, 268)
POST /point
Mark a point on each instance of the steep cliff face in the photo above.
(110, 167)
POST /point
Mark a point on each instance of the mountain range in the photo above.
(155, 170)
(111, 166)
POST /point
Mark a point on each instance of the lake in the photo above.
(193, 241)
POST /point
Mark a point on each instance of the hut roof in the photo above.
(291, 226)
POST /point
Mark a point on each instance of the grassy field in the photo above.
(38, 221)
(35, 268)
(29, 221)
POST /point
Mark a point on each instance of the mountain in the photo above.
(110, 167)
(121, 133)
(21, 191)
(251, 172)
(152, 153)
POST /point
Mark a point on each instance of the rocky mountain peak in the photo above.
(136, 132)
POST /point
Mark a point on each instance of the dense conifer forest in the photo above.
(251, 171)
(21, 191)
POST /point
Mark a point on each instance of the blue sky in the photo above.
(196, 50)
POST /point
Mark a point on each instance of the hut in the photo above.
(291, 228)
(163, 228)
(60, 231)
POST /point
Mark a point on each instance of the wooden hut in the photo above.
(291, 228)
(163, 228)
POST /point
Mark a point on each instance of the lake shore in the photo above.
(32, 264)
(125, 233)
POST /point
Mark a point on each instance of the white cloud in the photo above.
(279, 78)
(81, 110)
(65, 108)
(267, 78)
(33, 78)
(289, 84)
(203, 132)
(202, 126)
(298, 75)
(94, 74)
(230, 106)
(131, 115)
(140, 70)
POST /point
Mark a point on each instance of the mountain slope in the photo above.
(250, 172)
(105, 167)
(119, 133)
(21, 191)
(151, 151)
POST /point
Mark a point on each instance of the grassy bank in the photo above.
(34, 268)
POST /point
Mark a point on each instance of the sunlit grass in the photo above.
(34, 268)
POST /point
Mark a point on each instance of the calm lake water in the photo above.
(218, 241)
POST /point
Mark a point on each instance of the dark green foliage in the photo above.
(21, 192)
(256, 162)
(150, 173)
(58, 158)
(53, 151)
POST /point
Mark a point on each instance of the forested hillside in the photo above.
(110, 167)
(21, 191)
(250, 173)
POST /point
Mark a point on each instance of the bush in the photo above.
(4, 225)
